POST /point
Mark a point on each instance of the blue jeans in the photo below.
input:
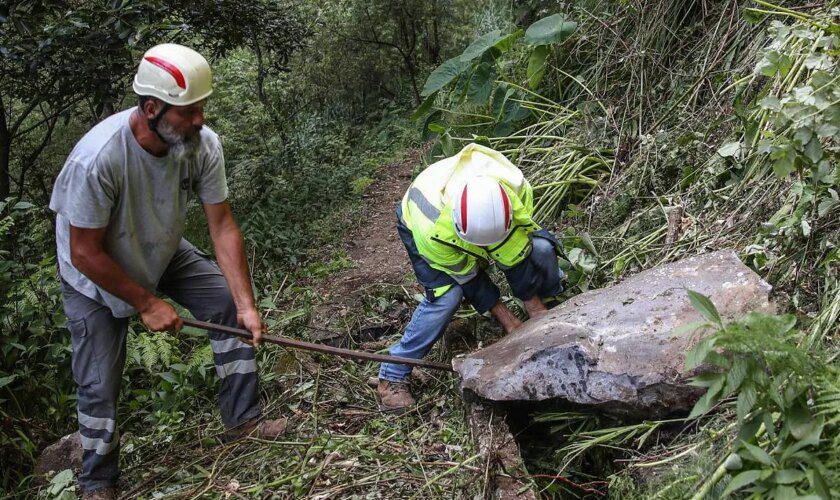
(426, 326)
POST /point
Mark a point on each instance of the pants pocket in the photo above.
(85, 362)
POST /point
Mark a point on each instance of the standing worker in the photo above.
(121, 204)
(457, 216)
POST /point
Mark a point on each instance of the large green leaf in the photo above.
(536, 65)
(481, 44)
(549, 30)
(500, 99)
(741, 480)
(507, 41)
(425, 106)
(481, 84)
(444, 74)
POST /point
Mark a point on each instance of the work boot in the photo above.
(394, 397)
(258, 428)
(100, 494)
(422, 377)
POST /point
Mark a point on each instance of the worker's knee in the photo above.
(451, 300)
(224, 308)
(542, 249)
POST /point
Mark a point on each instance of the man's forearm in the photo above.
(101, 269)
(230, 253)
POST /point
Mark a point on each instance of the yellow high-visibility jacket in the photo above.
(427, 212)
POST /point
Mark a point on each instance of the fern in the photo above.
(152, 351)
(203, 356)
(827, 402)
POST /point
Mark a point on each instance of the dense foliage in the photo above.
(650, 131)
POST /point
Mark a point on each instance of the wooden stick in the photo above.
(325, 349)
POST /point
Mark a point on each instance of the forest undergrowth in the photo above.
(651, 131)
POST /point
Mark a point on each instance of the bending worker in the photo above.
(121, 201)
(458, 215)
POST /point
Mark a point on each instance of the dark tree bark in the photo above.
(5, 147)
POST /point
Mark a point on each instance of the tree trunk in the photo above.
(5, 154)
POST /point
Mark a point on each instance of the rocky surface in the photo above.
(66, 453)
(619, 348)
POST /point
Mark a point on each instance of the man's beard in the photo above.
(181, 147)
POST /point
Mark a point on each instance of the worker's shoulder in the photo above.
(100, 141)
(210, 141)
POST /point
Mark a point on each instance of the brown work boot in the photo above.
(394, 396)
(258, 428)
(420, 376)
(100, 494)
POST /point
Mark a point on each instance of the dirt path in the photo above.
(376, 255)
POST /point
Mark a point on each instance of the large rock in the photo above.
(66, 453)
(617, 348)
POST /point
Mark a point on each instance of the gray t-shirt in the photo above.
(110, 181)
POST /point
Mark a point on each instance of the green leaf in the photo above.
(481, 45)
(705, 307)
(481, 84)
(549, 30)
(825, 206)
(706, 379)
(814, 150)
(801, 423)
(444, 74)
(4, 381)
(746, 401)
(730, 150)
(436, 128)
(756, 454)
(788, 476)
(818, 482)
(507, 41)
(737, 374)
(708, 400)
(168, 377)
(743, 479)
(586, 240)
(733, 462)
(783, 166)
(22, 205)
(536, 65)
(500, 101)
(749, 428)
(696, 356)
(770, 102)
(425, 106)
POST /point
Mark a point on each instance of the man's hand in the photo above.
(507, 319)
(159, 315)
(252, 321)
(535, 307)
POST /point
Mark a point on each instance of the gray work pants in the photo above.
(196, 283)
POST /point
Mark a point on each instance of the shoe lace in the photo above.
(395, 388)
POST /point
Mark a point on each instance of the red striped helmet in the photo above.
(175, 74)
(482, 212)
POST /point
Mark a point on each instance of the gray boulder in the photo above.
(617, 348)
(66, 453)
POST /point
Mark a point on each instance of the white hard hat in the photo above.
(175, 74)
(482, 213)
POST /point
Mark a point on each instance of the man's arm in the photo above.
(230, 253)
(87, 254)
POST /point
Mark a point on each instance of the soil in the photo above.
(377, 259)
